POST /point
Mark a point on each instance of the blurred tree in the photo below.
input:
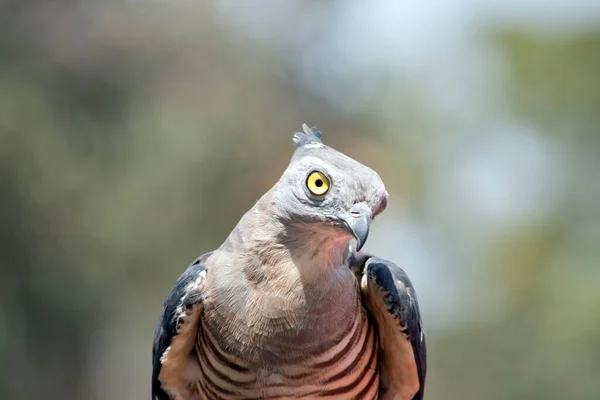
(547, 344)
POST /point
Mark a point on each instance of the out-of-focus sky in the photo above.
(134, 134)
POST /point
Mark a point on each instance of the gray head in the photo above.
(327, 190)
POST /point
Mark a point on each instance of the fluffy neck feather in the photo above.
(313, 248)
(285, 282)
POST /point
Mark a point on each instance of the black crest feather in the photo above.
(310, 135)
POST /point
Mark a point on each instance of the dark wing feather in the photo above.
(391, 298)
(409, 311)
(180, 299)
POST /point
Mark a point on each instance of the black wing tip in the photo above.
(378, 270)
(385, 273)
(158, 393)
(418, 396)
(397, 272)
(419, 346)
(166, 327)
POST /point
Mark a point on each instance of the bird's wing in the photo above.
(176, 332)
(392, 302)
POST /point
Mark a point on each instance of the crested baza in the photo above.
(286, 308)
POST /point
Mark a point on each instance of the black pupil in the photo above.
(319, 183)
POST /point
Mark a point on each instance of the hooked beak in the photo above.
(357, 222)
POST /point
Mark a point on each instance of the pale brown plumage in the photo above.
(285, 310)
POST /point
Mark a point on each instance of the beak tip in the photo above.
(359, 245)
(361, 237)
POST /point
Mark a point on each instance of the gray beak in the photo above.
(358, 222)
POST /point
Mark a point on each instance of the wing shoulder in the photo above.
(391, 299)
(175, 334)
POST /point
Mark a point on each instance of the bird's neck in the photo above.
(292, 281)
(313, 248)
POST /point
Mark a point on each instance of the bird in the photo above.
(286, 307)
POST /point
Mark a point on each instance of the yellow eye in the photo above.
(317, 183)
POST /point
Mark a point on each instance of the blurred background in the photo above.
(134, 134)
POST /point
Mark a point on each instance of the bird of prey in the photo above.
(286, 308)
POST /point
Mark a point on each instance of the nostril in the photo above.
(359, 210)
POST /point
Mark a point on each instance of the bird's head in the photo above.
(328, 192)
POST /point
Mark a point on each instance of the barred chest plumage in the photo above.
(346, 369)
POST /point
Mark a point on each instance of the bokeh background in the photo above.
(134, 134)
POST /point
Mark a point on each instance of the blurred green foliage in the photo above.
(132, 139)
